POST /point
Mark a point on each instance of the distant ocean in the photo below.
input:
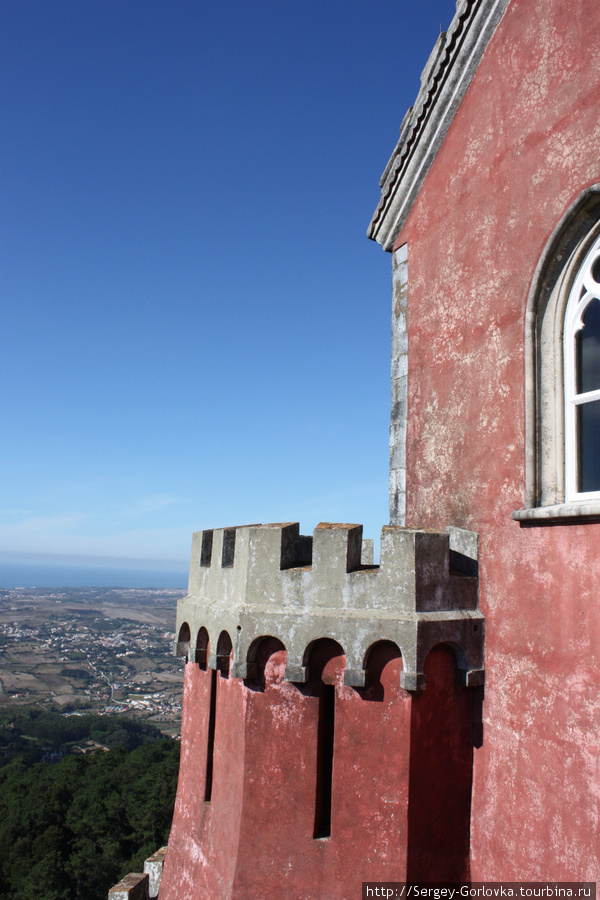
(40, 575)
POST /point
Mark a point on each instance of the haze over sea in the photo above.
(67, 572)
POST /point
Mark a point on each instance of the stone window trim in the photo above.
(547, 500)
(399, 373)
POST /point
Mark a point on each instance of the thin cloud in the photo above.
(151, 504)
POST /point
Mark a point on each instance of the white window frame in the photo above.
(583, 292)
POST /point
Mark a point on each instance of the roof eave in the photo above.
(444, 82)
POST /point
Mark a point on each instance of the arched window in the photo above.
(562, 344)
(582, 380)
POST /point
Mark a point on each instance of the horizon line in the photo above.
(79, 559)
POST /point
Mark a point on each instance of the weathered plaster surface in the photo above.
(290, 614)
(399, 805)
(521, 148)
(202, 847)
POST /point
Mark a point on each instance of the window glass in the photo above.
(582, 380)
(588, 428)
(588, 350)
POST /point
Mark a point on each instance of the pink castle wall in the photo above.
(522, 147)
(401, 783)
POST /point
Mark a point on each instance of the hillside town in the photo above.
(92, 650)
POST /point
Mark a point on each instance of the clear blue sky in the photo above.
(195, 329)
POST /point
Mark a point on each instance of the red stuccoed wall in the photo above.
(523, 145)
(203, 840)
(395, 810)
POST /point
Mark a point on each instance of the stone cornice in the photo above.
(444, 82)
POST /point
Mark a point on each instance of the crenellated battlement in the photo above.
(258, 581)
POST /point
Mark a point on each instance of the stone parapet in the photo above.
(258, 581)
(133, 887)
(153, 867)
(141, 886)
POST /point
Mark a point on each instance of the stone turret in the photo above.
(255, 581)
(330, 711)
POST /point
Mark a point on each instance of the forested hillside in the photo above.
(33, 735)
(71, 829)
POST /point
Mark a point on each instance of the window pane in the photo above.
(588, 350)
(588, 427)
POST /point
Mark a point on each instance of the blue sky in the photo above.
(195, 329)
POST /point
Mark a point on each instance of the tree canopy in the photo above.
(70, 830)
